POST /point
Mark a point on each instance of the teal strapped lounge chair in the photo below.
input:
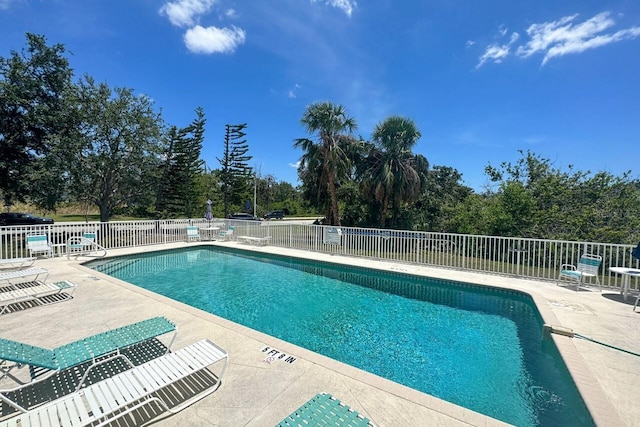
(96, 349)
(324, 410)
(156, 381)
(587, 267)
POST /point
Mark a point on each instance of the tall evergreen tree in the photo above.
(182, 165)
(235, 173)
(170, 199)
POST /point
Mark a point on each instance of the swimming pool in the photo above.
(480, 348)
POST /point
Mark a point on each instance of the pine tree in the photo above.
(235, 173)
(182, 165)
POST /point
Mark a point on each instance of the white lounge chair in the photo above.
(588, 266)
(7, 278)
(256, 241)
(79, 357)
(16, 293)
(193, 233)
(39, 244)
(16, 262)
(110, 399)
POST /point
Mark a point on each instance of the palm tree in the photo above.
(325, 161)
(394, 175)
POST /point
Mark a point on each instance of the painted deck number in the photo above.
(273, 355)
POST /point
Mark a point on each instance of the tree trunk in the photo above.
(383, 211)
(335, 216)
(104, 212)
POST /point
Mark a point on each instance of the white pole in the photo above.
(255, 184)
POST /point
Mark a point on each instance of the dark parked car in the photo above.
(274, 215)
(19, 218)
(243, 216)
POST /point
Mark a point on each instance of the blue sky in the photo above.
(480, 79)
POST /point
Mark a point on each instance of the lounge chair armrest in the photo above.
(567, 267)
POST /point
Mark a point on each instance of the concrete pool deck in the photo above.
(255, 393)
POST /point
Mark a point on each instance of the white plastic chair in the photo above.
(227, 234)
(588, 266)
(39, 244)
(193, 233)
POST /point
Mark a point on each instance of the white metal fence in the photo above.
(509, 256)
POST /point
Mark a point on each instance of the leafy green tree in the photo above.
(512, 214)
(326, 161)
(615, 215)
(538, 197)
(288, 198)
(282, 193)
(470, 216)
(356, 210)
(33, 113)
(48, 176)
(438, 203)
(236, 173)
(395, 176)
(537, 200)
(272, 194)
(118, 154)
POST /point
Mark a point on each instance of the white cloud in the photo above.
(295, 165)
(213, 40)
(185, 13)
(563, 37)
(346, 6)
(496, 52)
(293, 92)
(199, 39)
(566, 48)
(545, 34)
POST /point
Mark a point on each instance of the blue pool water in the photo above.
(476, 347)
